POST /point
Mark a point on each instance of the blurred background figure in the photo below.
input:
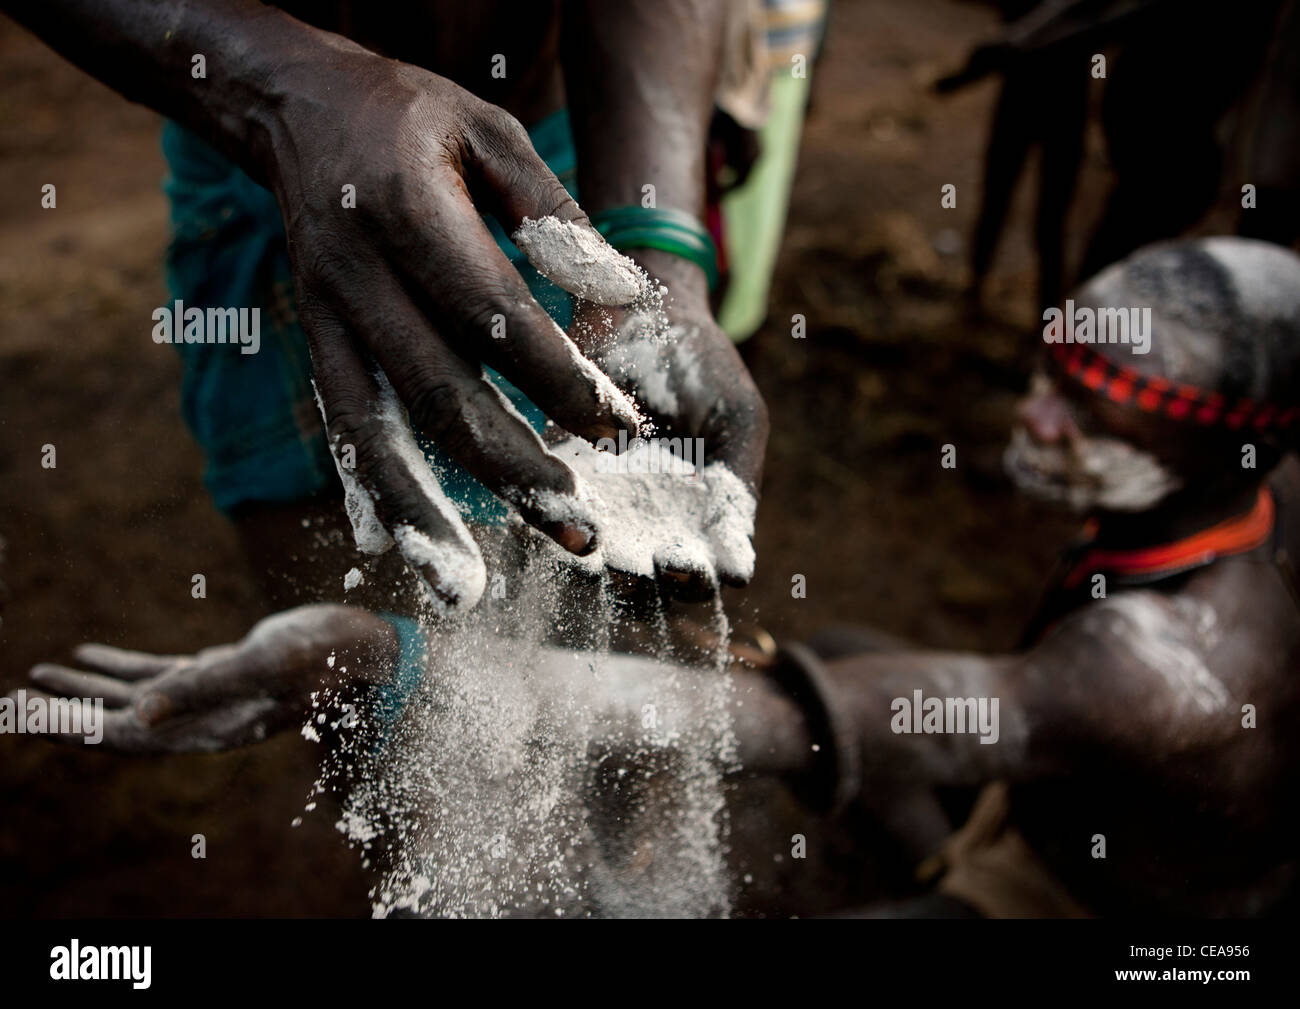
(763, 93)
(1181, 86)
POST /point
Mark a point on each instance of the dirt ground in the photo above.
(102, 547)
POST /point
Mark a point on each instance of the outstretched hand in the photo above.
(229, 695)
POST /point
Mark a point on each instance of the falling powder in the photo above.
(522, 779)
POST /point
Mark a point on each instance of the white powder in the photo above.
(1094, 472)
(641, 359)
(369, 533)
(457, 561)
(522, 779)
(607, 393)
(653, 507)
(579, 260)
(657, 360)
(729, 522)
(1163, 638)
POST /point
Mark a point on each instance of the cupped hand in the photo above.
(405, 297)
(690, 382)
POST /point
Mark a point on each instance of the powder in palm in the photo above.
(654, 509)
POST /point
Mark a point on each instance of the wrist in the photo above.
(687, 283)
(361, 642)
(670, 243)
(834, 779)
(239, 103)
(773, 732)
(294, 90)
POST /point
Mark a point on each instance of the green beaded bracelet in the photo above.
(666, 229)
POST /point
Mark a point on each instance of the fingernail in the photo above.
(152, 708)
(629, 424)
(574, 538)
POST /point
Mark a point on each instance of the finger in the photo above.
(229, 678)
(391, 494)
(183, 695)
(486, 309)
(636, 592)
(467, 417)
(541, 217)
(683, 576)
(207, 711)
(734, 429)
(123, 663)
(75, 683)
(729, 523)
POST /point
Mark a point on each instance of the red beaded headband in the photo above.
(1153, 394)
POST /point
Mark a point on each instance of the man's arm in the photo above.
(409, 279)
(640, 78)
(146, 51)
(1121, 681)
(229, 695)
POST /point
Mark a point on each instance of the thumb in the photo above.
(201, 686)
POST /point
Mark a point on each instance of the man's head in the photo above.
(1107, 428)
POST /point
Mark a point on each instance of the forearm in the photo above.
(936, 718)
(145, 50)
(773, 734)
(640, 77)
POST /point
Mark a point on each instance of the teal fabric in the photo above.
(255, 415)
(411, 658)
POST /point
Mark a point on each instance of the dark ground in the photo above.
(102, 548)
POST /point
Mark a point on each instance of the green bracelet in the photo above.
(666, 229)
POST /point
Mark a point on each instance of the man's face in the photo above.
(1062, 450)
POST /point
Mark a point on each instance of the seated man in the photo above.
(1136, 754)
